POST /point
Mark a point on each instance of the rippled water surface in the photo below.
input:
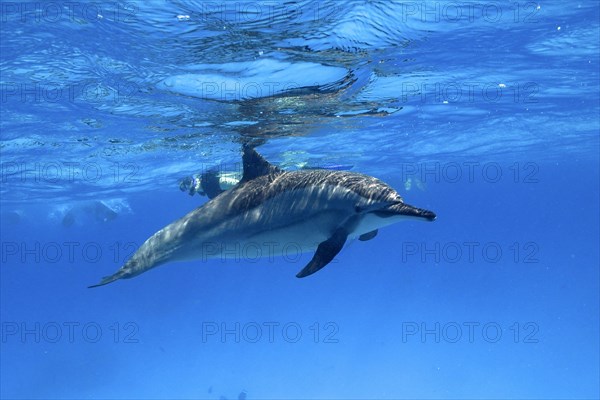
(486, 112)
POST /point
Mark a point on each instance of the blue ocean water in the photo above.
(485, 112)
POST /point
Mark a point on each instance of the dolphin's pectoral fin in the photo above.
(326, 251)
(367, 236)
(109, 279)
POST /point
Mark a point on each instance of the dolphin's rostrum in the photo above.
(313, 209)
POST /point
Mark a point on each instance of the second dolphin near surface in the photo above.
(313, 209)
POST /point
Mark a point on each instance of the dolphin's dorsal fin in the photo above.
(255, 165)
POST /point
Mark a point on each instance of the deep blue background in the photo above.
(356, 314)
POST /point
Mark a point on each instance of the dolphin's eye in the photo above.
(359, 209)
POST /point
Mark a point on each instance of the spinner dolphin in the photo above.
(316, 210)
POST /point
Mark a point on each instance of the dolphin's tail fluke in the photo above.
(109, 279)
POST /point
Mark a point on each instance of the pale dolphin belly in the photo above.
(296, 221)
(299, 237)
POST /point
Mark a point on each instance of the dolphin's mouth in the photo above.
(406, 210)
